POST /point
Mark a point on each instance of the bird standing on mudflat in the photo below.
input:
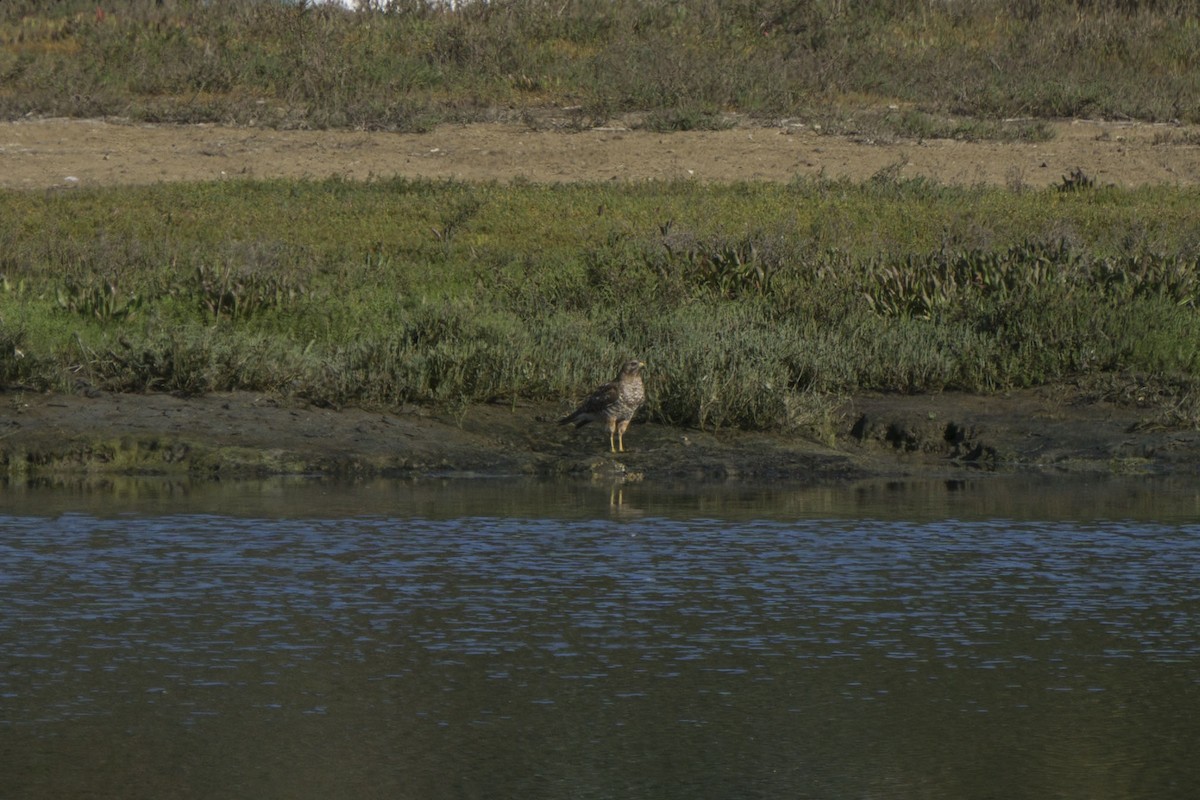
(614, 403)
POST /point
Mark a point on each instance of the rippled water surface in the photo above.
(303, 640)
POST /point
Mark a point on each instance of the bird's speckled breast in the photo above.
(631, 396)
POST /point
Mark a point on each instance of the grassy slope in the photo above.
(950, 69)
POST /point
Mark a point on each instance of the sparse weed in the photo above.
(237, 295)
(99, 298)
(1076, 181)
(13, 360)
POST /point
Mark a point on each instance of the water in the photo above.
(447, 640)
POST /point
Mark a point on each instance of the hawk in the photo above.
(614, 403)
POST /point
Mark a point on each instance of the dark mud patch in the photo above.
(249, 435)
(1051, 429)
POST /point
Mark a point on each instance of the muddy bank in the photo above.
(246, 435)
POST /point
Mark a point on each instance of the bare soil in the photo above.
(48, 153)
(1055, 429)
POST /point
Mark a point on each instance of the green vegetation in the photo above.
(753, 304)
(877, 67)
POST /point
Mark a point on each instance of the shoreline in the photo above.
(248, 435)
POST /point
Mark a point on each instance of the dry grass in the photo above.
(949, 69)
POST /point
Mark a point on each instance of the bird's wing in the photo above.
(600, 399)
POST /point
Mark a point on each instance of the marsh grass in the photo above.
(925, 68)
(755, 305)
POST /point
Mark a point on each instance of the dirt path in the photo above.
(40, 154)
(243, 434)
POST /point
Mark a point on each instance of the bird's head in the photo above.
(632, 368)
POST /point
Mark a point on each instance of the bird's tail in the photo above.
(574, 417)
